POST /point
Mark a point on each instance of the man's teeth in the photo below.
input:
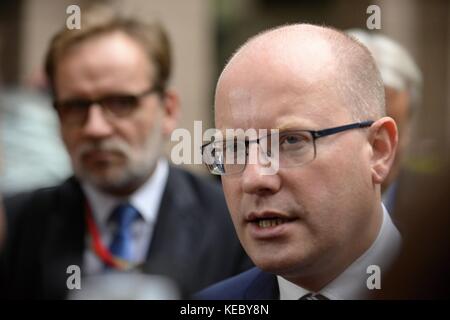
(267, 223)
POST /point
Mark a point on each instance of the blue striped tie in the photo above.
(124, 215)
(313, 296)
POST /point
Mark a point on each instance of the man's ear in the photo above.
(384, 140)
(171, 111)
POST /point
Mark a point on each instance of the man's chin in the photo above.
(105, 180)
(119, 179)
(280, 261)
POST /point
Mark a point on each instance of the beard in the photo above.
(121, 177)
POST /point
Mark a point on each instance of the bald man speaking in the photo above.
(315, 228)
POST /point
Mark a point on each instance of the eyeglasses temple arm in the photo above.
(330, 131)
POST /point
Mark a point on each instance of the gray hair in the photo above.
(397, 67)
(358, 80)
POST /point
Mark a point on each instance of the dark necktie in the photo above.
(123, 215)
(313, 296)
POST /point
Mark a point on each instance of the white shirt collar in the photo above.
(146, 199)
(351, 284)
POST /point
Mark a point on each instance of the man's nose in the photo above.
(96, 125)
(255, 179)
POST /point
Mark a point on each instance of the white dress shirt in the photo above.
(146, 200)
(352, 283)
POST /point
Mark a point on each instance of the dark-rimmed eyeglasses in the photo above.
(75, 111)
(294, 147)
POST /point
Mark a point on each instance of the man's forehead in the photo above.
(271, 70)
(123, 65)
(241, 107)
(261, 101)
(311, 111)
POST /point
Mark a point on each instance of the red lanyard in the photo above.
(99, 248)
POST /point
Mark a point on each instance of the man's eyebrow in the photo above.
(293, 125)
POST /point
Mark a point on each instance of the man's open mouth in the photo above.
(270, 222)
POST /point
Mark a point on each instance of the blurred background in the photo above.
(204, 33)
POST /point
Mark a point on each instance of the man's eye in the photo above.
(75, 104)
(293, 141)
(120, 102)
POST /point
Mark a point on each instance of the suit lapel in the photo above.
(64, 241)
(172, 250)
(263, 287)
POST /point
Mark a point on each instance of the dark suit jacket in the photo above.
(194, 241)
(253, 284)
